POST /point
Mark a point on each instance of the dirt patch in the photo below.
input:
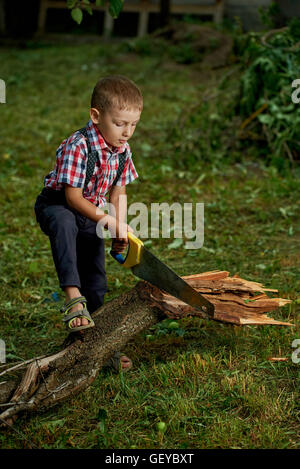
(213, 48)
(291, 260)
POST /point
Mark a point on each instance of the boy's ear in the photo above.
(95, 115)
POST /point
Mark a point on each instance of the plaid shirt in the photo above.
(71, 164)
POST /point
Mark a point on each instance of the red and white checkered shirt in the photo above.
(71, 165)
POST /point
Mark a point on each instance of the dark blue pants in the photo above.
(77, 251)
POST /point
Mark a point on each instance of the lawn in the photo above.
(212, 384)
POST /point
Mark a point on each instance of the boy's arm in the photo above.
(76, 200)
(118, 199)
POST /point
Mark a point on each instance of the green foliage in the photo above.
(183, 52)
(71, 3)
(268, 73)
(78, 6)
(294, 26)
(115, 7)
(145, 46)
(227, 125)
(77, 15)
(269, 15)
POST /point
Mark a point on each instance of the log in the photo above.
(43, 382)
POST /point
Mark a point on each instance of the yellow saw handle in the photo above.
(133, 254)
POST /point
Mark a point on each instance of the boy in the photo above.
(69, 207)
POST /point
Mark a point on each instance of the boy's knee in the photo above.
(59, 220)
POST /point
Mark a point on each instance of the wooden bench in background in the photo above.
(214, 8)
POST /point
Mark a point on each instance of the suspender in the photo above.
(92, 158)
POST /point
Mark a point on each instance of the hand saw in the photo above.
(146, 266)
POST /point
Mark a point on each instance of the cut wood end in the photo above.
(235, 282)
(277, 359)
(261, 320)
(235, 300)
(282, 301)
(211, 275)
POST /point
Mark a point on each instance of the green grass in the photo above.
(212, 384)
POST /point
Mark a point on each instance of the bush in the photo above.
(269, 68)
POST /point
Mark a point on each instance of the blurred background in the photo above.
(24, 19)
(220, 126)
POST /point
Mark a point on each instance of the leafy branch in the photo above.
(271, 64)
(77, 7)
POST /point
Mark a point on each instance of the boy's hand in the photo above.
(120, 242)
(119, 245)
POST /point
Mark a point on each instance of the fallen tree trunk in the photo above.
(46, 381)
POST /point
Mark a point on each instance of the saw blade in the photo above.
(151, 269)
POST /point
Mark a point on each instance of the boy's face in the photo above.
(116, 125)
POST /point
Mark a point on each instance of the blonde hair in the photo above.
(116, 91)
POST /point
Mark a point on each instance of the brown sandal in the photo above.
(82, 313)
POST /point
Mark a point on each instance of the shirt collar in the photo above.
(97, 141)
